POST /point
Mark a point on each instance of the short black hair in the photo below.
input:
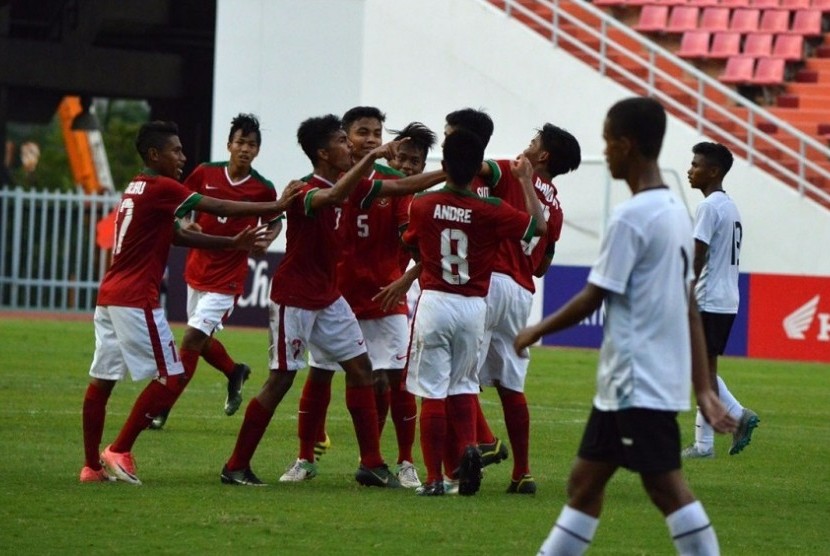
(154, 134)
(463, 155)
(248, 123)
(358, 112)
(476, 121)
(314, 134)
(642, 120)
(563, 148)
(419, 136)
(715, 154)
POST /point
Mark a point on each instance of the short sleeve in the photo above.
(617, 257)
(705, 223)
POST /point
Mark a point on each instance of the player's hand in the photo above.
(521, 167)
(291, 190)
(189, 225)
(247, 239)
(389, 151)
(715, 412)
(526, 337)
(393, 294)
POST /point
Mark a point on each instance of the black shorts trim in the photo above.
(641, 440)
(716, 329)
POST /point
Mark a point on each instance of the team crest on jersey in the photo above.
(383, 202)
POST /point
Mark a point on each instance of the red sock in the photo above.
(483, 433)
(360, 400)
(452, 458)
(382, 402)
(433, 436)
(216, 356)
(517, 419)
(461, 416)
(314, 403)
(154, 399)
(250, 433)
(404, 412)
(94, 415)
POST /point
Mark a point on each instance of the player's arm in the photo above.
(272, 231)
(707, 400)
(699, 261)
(221, 207)
(411, 184)
(544, 264)
(583, 304)
(523, 171)
(395, 292)
(245, 240)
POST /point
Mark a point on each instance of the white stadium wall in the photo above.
(286, 60)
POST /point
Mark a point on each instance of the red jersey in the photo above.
(457, 232)
(223, 270)
(518, 259)
(307, 275)
(143, 234)
(372, 248)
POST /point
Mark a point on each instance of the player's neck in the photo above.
(236, 173)
(648, 177)
(714, 188)
(327, 172)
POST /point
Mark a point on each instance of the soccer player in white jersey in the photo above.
(718, 236)
(653, 335)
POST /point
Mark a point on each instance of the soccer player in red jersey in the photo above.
(372, 255)
(215, 278)
(309, 313)
(131, 331)
(455, 233)
(552, 152)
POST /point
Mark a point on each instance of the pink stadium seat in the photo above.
(725, 45)
(775, 21)
(734, 3)
(610, 3)
(715, 18)
(823, 5)
(795, 4)
(807, 23)
(653, 19)
(683, 18)
(764, 4)
(769, 71)
(758, 45)
(703, 3)
(745, 20)
(694, 44)
(739, 69)
(789, 47)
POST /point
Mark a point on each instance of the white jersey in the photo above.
(718, 225)
(645, 264)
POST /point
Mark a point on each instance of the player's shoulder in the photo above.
(260, 178)
(383, 171)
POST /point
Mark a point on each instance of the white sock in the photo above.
(692, 532)
(733, 406)
(571, 534)
(704, 433)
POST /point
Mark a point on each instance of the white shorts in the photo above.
(508, 308)
(387, 341)
(138, 340)
(446, 338)
(206, 311)
(329, 334)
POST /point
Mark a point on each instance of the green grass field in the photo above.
(773, 499)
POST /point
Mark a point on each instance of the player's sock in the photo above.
(692, 532)
(483, 433)
(314, 403)
(733, 406)
(217, 357)
(250, 433)
(461, 416)
(404, 416)
(452, 457)
(704, 433)
(155, 398)
(360, 400)
(382, 403)
(94, 415)
(517, 420)
(433, 432)
(571, 534)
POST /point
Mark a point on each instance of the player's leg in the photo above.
(288, 332)
(404, 417)
(149, 350)
(311, 416)
(107, 368)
